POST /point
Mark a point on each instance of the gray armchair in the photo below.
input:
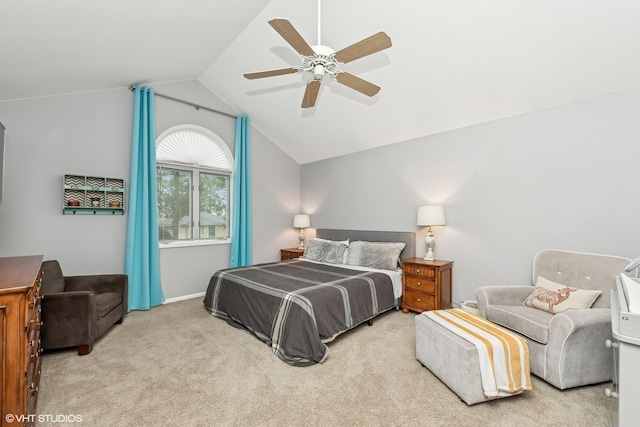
(77, 310)
(566, 349)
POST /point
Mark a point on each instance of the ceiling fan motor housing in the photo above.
(323, 61)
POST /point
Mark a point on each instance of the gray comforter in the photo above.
(297, 306)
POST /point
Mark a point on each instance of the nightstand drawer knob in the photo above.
(418, 284)
(418, 300)
(418, 270)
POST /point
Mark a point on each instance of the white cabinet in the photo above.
(626, 349)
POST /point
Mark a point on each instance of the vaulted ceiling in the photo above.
(452, 63)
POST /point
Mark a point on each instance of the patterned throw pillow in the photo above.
(328, 251)
(379, 255)
(556, 298)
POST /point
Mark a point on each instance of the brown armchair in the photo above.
(77, 310)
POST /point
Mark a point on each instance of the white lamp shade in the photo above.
(301, 221)
(431, 215)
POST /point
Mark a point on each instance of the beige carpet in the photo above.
(175, 365)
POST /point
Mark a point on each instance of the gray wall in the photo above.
(564, 177)
(90, 134)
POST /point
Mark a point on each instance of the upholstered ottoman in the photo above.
(451, 358)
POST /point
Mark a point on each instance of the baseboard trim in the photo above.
(184, 297)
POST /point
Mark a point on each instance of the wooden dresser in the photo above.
(426, 285)
(291, 253)
(20, 348)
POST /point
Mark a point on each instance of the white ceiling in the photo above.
(452, 63)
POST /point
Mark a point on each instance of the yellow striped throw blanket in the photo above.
(503, 355)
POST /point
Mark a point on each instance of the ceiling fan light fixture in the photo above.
(318, 71)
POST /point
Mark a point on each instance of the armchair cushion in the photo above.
(527, 321)
(580, 270)
(98, 283)
(107, 302)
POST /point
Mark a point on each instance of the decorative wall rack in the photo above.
(91, 195)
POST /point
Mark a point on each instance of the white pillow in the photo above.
(556, 298)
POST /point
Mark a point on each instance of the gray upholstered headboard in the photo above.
(408, 238)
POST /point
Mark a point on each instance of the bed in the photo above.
(298, 306)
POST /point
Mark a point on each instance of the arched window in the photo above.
(194, 168)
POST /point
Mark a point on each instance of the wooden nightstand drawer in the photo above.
(290, 253)
(420, 270)
(420, 284)
(418, 301)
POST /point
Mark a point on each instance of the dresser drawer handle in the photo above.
(30, 326)
(418, 270)
(418, 300)
(419, 283)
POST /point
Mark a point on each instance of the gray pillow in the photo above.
(326, 251)
(380, 255)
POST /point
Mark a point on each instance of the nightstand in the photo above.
(290, 253)
(426, 285)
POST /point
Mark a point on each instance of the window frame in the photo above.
(195, 171)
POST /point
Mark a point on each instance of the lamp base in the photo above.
(430, 242)
(430, 255)
(301, 238)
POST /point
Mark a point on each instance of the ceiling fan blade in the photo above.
(311, 93)
(373, 44)
(357, 83)
(291, 36)
(270, 73)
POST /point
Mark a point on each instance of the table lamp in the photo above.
(429, 216)
(301, 221)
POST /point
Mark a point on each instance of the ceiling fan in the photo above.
(321, 60)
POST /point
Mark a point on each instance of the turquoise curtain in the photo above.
(142, 253)
(241, 220)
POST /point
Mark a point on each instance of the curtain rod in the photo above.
(196, 106)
